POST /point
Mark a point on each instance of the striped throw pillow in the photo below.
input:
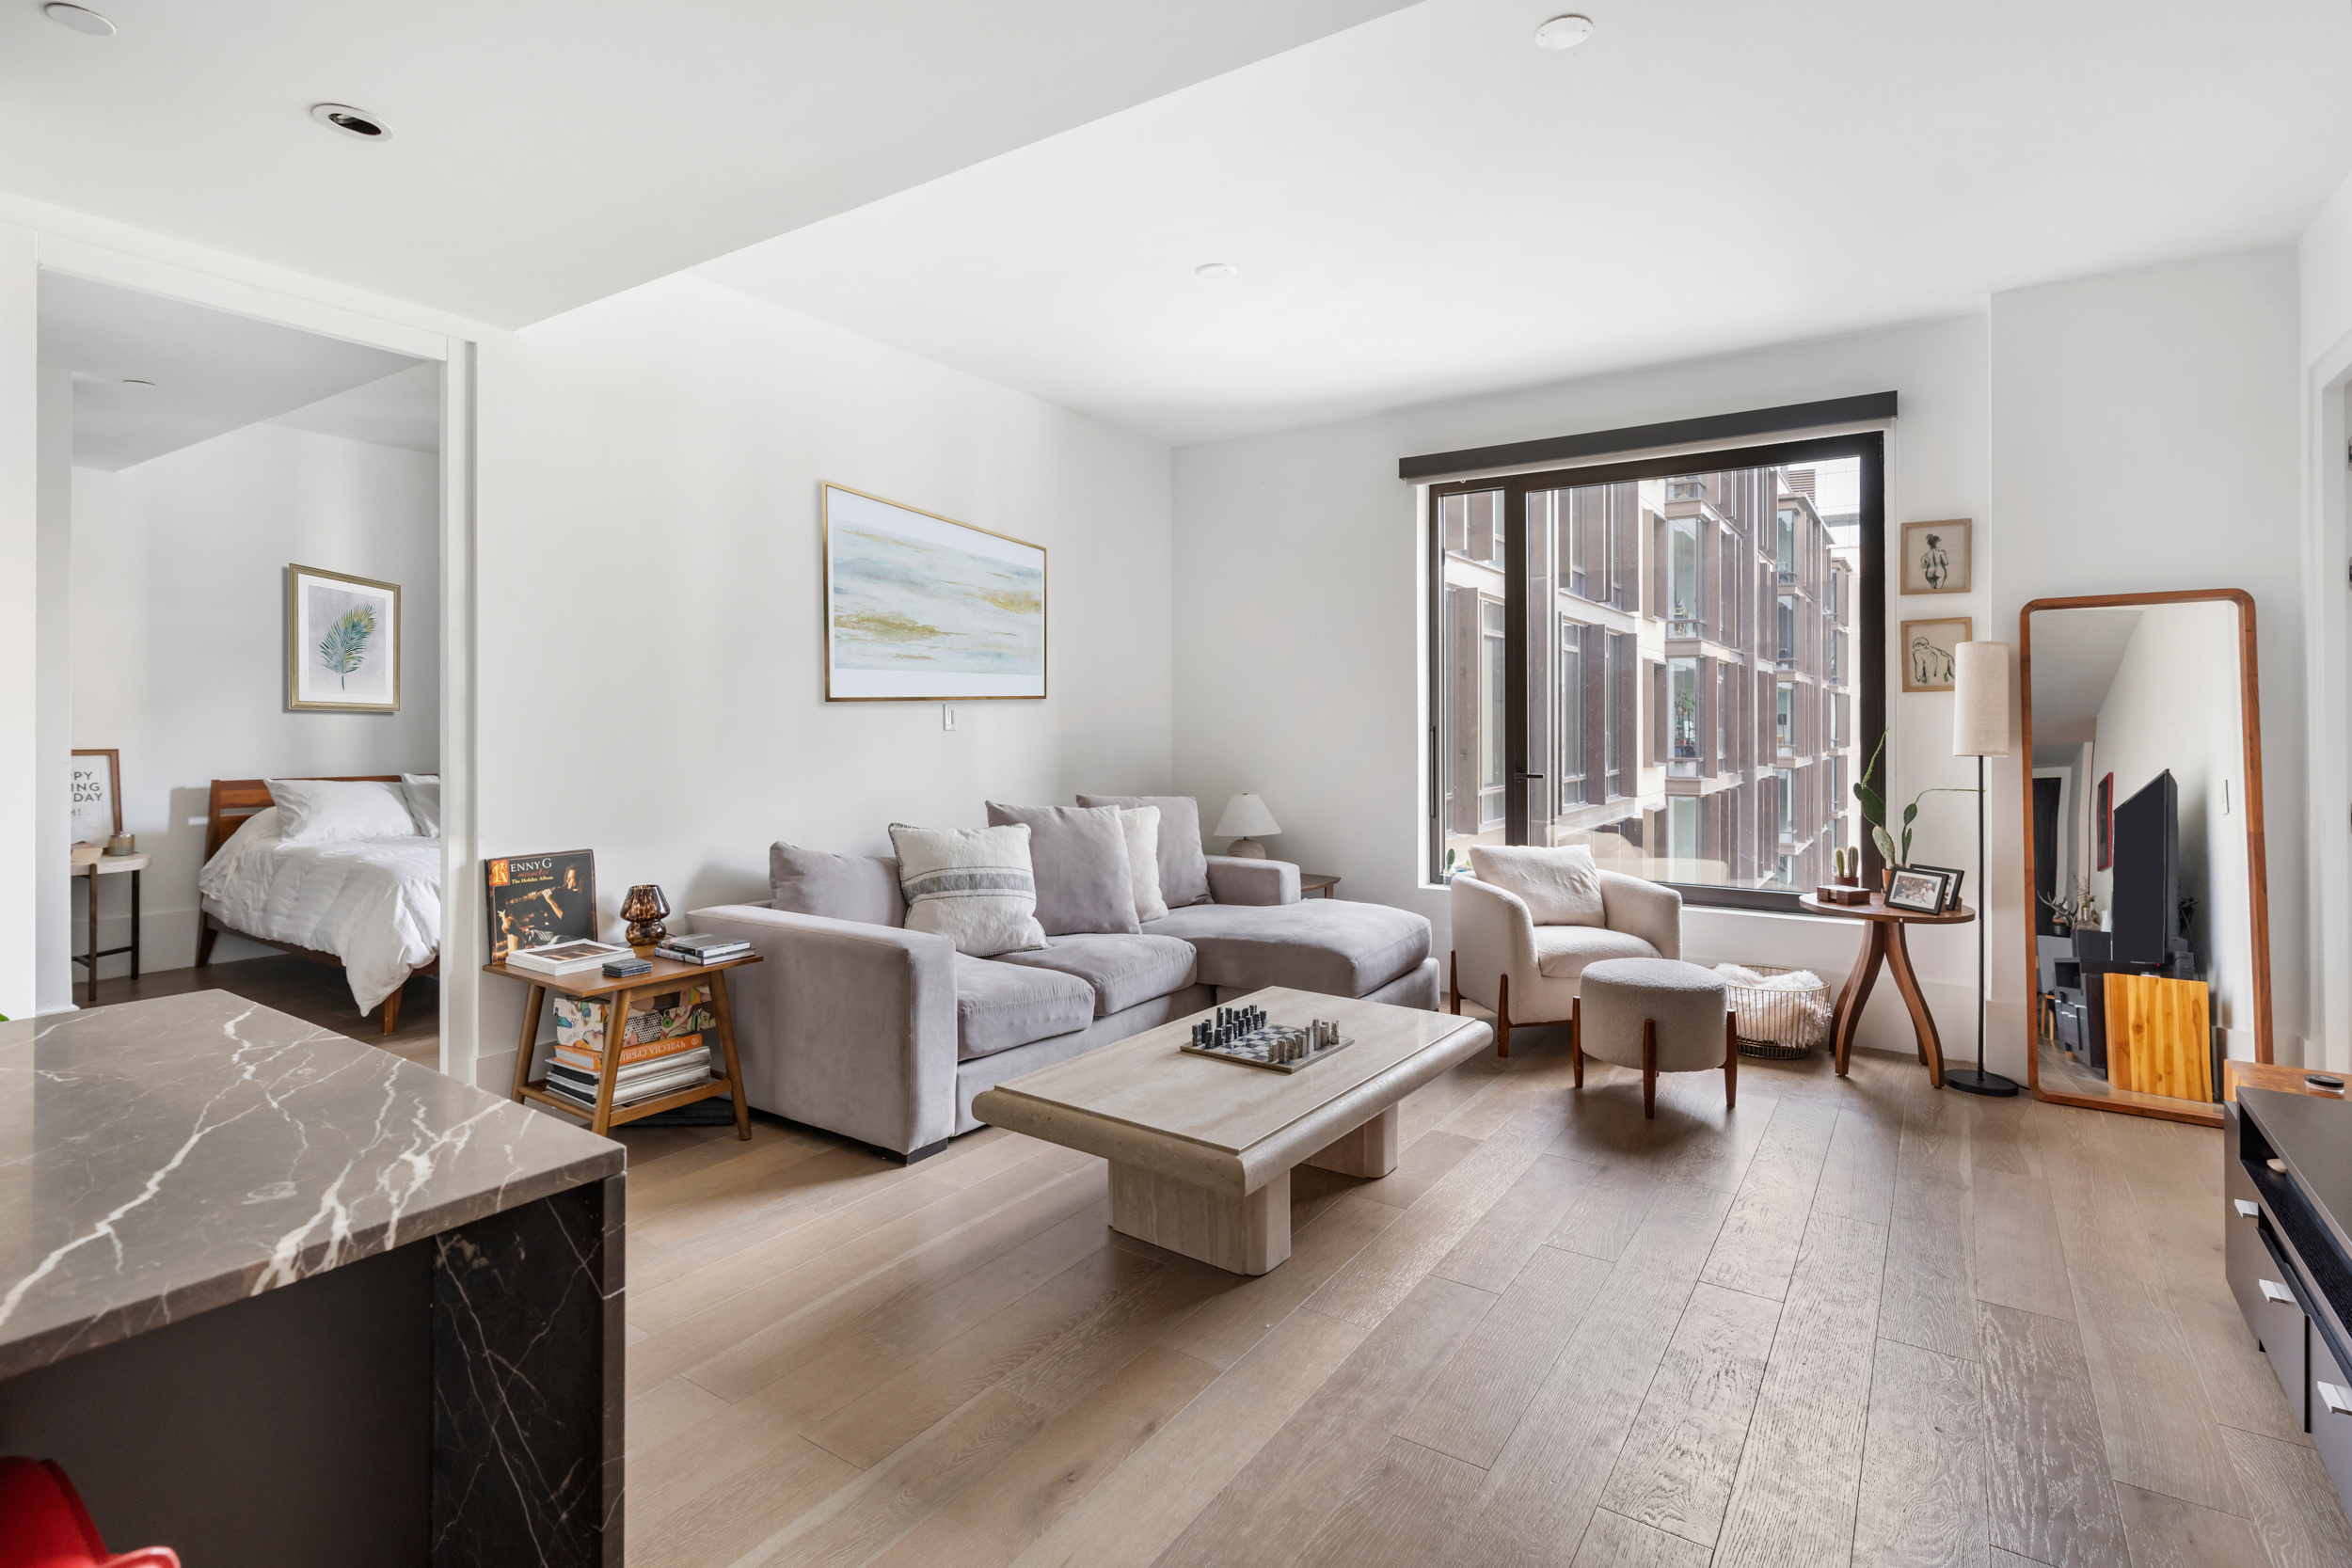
(971, 885)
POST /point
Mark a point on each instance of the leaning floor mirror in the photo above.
(2150, 941)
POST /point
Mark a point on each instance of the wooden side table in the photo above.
(2236, 1075)
(666, 975)
(91, 861)
(1882, 940)
(1317, 884)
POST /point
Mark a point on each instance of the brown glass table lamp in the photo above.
(643, 909)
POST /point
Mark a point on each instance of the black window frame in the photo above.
(1868, 620)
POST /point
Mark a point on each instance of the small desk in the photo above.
(91, 861)
(1317, 884)
(666, 975)
(1882, 940)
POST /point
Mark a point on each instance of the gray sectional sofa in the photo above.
(856, 1024)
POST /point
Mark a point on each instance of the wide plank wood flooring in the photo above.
(1854, 1321)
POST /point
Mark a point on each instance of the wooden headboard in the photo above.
(234, 800)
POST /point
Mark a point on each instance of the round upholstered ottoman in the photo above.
(1655, 1015)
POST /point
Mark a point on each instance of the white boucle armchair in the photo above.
(1506, 961)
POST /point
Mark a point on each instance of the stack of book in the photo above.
(647, 1070)
(702, 949)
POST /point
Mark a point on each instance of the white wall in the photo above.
(2145, 437)
(2323, 275)
(53, 972)
(2174, 706)
(2324, 269)
(1298, 609)
(649, 563)
(179, 639)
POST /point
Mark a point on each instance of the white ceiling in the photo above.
(212, 372)
(2075, 656)
(402, 409)
(1427, 205)
(549, 152)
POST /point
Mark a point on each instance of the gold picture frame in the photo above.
(1937, 557)
(87, 796)
(1927, 653)
(882, 664)
(345, 629)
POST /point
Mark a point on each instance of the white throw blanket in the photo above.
(1802, 1022)
(375, 903)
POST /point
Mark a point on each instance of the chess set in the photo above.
(1246, 1034)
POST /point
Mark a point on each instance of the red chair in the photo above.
(44, 1524)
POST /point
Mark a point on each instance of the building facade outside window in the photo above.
(1685, 700)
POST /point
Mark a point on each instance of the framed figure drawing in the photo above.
(97, 795)
(342, 641)
(920, 607)
(1938, 557)
(1928, 652)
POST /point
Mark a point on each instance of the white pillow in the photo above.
(317, 811)
(1142, 824)
(1560, 887)
(971, 885)
(422, 792)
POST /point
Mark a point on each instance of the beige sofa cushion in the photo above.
(1563, 951)
(999, 1006)
(1121, 970)
(1324, 945)
(1560, 887)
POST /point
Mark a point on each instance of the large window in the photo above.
(1648, 658)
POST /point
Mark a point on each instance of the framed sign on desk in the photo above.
(97, 795)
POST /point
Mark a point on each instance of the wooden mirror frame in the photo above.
(2125, 1102)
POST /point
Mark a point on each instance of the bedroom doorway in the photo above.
(243, 525)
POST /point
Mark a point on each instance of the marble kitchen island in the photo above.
(275, 1296)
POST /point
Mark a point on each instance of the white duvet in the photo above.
(375, 903)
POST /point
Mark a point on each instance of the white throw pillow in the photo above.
(1560, 887)
(422, 791)
(971, 885)
(317, 810)
(1142, 824)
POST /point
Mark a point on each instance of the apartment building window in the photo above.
(1682, 718)
(1563, 712)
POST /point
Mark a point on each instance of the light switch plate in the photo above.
(947, 716)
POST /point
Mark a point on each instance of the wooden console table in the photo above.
(1883, 940)
(667, 974)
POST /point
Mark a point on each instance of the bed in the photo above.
(369, 905)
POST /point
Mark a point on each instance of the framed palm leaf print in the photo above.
(342, 641)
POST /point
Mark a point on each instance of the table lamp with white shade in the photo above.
(1981, 730)
(1246, 815)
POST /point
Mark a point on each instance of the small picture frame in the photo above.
(1928, 655)
(1951, 883)
(342, 642)
(1918, 890)
(1939, 557)
(97, 795)
(2103, 820)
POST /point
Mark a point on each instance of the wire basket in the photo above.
(1778, 1024)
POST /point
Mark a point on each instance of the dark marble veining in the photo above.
(528, 1383)
(161, 1158)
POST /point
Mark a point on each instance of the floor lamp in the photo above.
(1981, 730)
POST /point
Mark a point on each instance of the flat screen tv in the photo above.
(2147, 871)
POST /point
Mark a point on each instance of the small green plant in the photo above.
(1874, 806)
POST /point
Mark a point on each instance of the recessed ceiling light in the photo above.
(1564, 32)
(1214, 270)
(350, 121)
(80, 17)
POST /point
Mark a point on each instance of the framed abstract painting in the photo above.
(920, 607)
(342, 641)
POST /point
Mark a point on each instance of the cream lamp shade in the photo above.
(1981, 699)
(1246, 815)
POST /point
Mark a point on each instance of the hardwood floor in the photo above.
(1852, 1322)
(312, 991)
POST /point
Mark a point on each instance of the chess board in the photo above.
(1255, 1049)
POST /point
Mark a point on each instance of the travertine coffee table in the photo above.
(1201, 1151)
